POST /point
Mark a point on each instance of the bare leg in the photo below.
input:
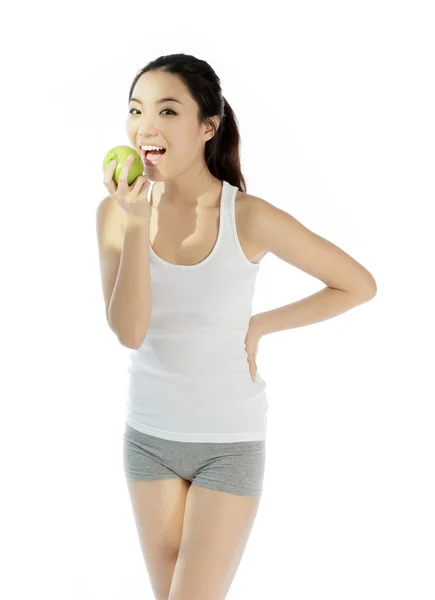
(158, 508)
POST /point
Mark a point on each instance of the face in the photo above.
(172, 125)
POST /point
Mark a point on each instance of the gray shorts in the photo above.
(233, 467)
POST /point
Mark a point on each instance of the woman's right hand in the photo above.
(132, 199)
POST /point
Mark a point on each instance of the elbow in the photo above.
(133, 342)
(372, 286)
(372, 290)
(368, 289)
(128, 340)
(129, 344)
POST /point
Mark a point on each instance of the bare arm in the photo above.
(130, 303)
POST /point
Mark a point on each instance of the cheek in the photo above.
(131, 131)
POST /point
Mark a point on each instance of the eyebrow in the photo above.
(158, 101)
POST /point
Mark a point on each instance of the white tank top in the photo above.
(190, 381)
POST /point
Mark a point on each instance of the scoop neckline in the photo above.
(215, 247)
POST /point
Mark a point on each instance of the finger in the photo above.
(109, 170)
(136, 186)
(252, 369)
(143, 187)
(123, 186)
(108, 178)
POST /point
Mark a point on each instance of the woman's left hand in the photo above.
(253, 336)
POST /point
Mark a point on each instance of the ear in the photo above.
(209, 131)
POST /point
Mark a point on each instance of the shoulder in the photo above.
(110, 217)
(248, 201)
(255, 210)
(109, 209)
(251, 211)
(267, 225)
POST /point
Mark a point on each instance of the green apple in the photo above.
(120, 154)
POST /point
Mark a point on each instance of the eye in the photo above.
(166, 109)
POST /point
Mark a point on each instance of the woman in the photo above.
(180, 251)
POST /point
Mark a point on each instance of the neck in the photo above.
(188, 192)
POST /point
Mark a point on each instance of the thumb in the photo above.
(252, 368)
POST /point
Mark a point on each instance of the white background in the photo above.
(340, 95)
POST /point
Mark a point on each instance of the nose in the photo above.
(147, 132)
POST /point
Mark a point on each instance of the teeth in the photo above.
(151, 148)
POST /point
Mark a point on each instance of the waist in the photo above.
(190, 355)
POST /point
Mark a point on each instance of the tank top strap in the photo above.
(230, 247)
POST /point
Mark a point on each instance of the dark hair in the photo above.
(222, 150)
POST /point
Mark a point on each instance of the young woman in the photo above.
(180, 250)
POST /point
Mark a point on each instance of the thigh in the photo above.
(158, 509)
(217, 526)
(235, 468)
(158, 497)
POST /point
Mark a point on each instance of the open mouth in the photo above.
(151, 154)
(152, 158)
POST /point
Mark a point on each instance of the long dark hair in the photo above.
(222, 150)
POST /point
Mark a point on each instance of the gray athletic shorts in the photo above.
(233, 467)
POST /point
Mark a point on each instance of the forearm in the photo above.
(130, 304)
(322, 305)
